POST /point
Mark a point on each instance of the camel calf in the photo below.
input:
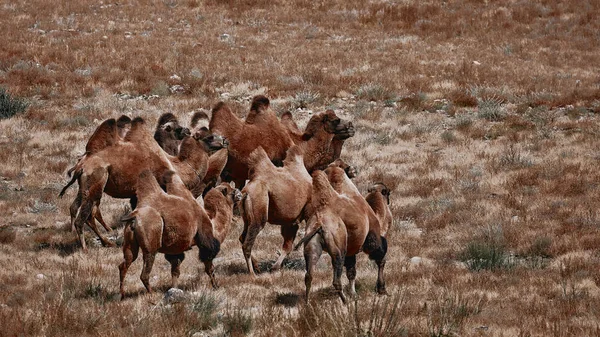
(170, 223)
(342, 224)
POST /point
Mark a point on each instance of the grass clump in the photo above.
(447, 313)
(304, 98)
(488, 252)
(373, 92)
(490, 109)
(237, 323)
(10, 105)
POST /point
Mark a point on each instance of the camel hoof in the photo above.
(382, 291)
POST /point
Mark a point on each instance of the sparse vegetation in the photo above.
(10, 105)
(492, 120)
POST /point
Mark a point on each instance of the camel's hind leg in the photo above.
(175, 261)
(148, 233)
(92, 223)
(148, 263)
(98, 216)
(74, 208)
(254, 213)
(312, 252)
(91, 189)
(130, 253)
(289, 234)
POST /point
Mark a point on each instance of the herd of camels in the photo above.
(182, 182)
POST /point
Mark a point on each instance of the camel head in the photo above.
(212, 141)
(259, 103)
(330, 123)
(381, 188)
(169, 124)
(350, 170)
(230, 192)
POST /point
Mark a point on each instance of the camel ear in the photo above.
(232, 184)
(167, 127)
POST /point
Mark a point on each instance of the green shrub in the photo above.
(10, 105)
(487, 252)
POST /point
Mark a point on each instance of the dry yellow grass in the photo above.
(481, 115)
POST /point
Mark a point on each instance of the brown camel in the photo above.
(278, 195)
(219, 203)
(325, 133)
(324, 136)
(274, 194)
(378, 198)
(261, 128)
(217, 160)
(169, 133)
(343, 224)
(114, 169)
(168, 222)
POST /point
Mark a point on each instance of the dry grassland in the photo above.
(481, 115)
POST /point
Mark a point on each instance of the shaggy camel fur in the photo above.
(274, 194)
(217, 160)
(378, 198)
(343, 224)
(324, 136)
(169, 133)
(219, 203)
(261, 128)
(114, 169)
(169, 223)
(278, 195)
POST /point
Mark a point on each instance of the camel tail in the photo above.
(308, 237)
(76, 176)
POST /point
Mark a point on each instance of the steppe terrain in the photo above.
(482, 116)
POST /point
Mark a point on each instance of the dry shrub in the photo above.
(423, 187)
(448, 311)
(7, 235)
(383, 317)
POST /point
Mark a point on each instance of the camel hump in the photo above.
(323, 193)
(223, 121)
(257, 157)
(165, 118)
(123, 121)
(105, 135)
(259, 103)
(138, 131)
(199, 118)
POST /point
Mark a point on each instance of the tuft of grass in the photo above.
(448, 137)
(203, 308)
(490, 109)
(447, 313)
(236, 323)
(11, 105)
(373, 92)
(304, 98)
(512, 158)
(487, 252)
